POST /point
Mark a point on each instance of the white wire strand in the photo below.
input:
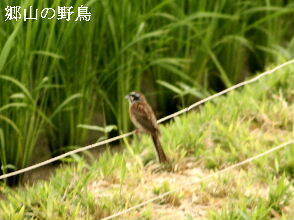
(159, 121)
(200, 180)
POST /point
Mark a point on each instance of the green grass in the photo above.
(62, 74)
(223, 132)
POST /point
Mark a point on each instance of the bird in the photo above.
(144, 119)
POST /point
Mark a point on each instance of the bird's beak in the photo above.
(127, 97)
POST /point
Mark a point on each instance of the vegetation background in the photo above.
(61, 82)
(223, 132)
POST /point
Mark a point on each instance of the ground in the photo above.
(220, 133)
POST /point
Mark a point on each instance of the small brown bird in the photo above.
(144, 119)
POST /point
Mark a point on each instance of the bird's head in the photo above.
(135, 97)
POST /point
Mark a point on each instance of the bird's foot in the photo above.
(139, 131)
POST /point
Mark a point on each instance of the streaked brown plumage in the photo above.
(144, 119)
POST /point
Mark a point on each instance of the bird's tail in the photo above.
(161, 155)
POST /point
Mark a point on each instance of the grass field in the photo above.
(220, 133)
(57, 76)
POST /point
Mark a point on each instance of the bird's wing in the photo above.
(142, 113)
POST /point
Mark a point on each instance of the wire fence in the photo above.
(51, 160)
(198, 181)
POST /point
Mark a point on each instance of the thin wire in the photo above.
(200, 180)
(226, 91)
(65, 155)
(159, 121)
